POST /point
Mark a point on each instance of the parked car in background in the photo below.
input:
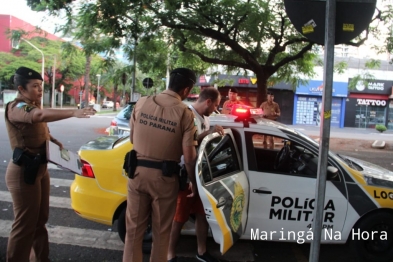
(82, 105)
(107, 104)
(120, 124)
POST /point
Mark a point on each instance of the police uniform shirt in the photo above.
(269, 109)
(227, 107)
(202, 123)
(22, 131)
(161, 125)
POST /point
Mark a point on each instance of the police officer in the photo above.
(232, 100)
(271, 110)
(162, 129)
(207, 103)
(27, 175)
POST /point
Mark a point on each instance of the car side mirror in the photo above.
(332, 173)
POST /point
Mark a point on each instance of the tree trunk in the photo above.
(114, 97)
(261, 88)
(87, 79)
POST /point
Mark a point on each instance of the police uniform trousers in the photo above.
(149, 193)
(28, 239)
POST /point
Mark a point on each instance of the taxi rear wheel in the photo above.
(147, 238)
(368, 240)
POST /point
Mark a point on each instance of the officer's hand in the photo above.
(59, 144)
(85, 112)
(193, 190)
(218, 129)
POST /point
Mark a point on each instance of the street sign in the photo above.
(308, 17)
(147, 82)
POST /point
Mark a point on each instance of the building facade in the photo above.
(308, 103)
(370, 105)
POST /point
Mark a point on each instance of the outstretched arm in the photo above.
(51, 115)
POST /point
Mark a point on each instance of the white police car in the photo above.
(256, 190)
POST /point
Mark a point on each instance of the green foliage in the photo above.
(254, 36)
(380, 128)
(340, 67)
(365, 76)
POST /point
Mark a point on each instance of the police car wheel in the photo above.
(121, 229)
(369, 246)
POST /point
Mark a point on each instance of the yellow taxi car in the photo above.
(252, 189)
(99, 193)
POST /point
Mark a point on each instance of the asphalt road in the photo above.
(75, 239)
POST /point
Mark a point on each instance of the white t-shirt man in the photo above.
(202, 123)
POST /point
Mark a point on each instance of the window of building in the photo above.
(369, 116)
(390, 115)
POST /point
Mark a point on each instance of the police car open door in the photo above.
(223, 188)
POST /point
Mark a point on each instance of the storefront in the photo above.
(308, 103)
(368, 106)
(247, 87)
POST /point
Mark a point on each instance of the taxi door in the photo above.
(223, 188)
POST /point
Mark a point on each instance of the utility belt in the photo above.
(168, 168)
(31, 164)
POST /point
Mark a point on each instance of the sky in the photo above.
(19, 9)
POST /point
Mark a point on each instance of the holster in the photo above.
(183, 177)
(31, 164)
(130, 163)
(169, 168)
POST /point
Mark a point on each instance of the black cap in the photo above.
(28, 73)
(185, 72)
(270, 93)
(233, 90)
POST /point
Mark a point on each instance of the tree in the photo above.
(66, 70)
(92, 41)
(246, 36)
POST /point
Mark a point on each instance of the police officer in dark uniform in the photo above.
(27, 176)
(162, 130)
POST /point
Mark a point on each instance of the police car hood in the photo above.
(101, 143)
(373, 174)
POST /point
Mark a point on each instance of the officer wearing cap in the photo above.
(162, 130)
(271, 110)
(232, 96)
(27, 175)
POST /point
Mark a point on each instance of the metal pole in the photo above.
(42, 70)
(53, 83)
(326, 113)
(61, 99)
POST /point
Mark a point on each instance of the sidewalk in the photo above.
(347, 132)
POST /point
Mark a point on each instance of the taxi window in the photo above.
(221, 158)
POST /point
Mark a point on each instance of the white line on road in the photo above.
(61, 182)
(61, 202)
(74, 236)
